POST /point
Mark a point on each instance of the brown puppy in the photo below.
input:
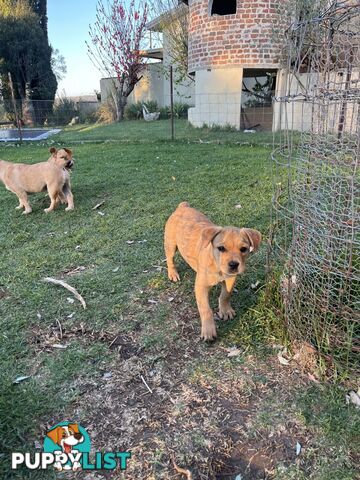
(217, 254)
(52, 176)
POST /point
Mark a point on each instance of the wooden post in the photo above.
(172, 102)
(18, 123)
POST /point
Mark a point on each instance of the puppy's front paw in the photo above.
(226, 312)
(48, 210)
(208, 332)
(25, 212)
(67, 209)
(173, 275)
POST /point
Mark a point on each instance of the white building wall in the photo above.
(317, 113)
(218, 97)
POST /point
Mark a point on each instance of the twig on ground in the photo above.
(112, 343)
(98, 205)
(183, 471)
(146, 385)
(68, 287)
(60, 328)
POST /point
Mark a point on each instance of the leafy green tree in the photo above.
(26, 54)
(40, 8)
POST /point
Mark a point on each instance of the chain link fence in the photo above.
(47, 113)
(316, 202)
(228, 117)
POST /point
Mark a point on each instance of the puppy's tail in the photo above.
(183, 204)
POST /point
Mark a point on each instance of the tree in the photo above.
(115, 49)
(173, 18)
(40, 8)
(58, 65)
(26, 54)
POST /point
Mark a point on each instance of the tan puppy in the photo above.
(52, 176)
(217, 254)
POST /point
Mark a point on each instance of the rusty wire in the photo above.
(316, 182)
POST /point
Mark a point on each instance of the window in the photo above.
(221, 7)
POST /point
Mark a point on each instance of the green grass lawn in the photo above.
(140, 131)
(114, 257)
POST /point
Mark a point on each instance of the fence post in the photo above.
(14, 105)
(172, 102)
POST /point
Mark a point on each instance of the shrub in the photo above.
(134, 111)
(152, 106)
(87, 117)
(164, 112)
(106, 113)
(64, 110)
(3, 114)
(181, 109)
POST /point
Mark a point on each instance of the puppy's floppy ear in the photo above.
(53, 150)
(208, 235)
(254, 238)
(67, 150)
(55, 435)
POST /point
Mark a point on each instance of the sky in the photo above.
(68, 26)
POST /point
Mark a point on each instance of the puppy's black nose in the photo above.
(233, 265)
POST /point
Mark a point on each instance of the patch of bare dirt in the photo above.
(176, 398)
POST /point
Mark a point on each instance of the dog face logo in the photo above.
(69, 441)
(66, 437)
(67, 448)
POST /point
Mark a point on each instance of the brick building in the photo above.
(233, 46)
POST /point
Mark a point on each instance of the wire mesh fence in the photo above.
(40, 113)
(212, 117)
(316, 201)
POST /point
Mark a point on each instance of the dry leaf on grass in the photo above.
(183, 471)
(354, 398)
(68, 287)
(313, 378)
(233, 352)
(283, 360)
(20, 379)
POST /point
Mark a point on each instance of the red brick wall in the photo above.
(246, 37)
